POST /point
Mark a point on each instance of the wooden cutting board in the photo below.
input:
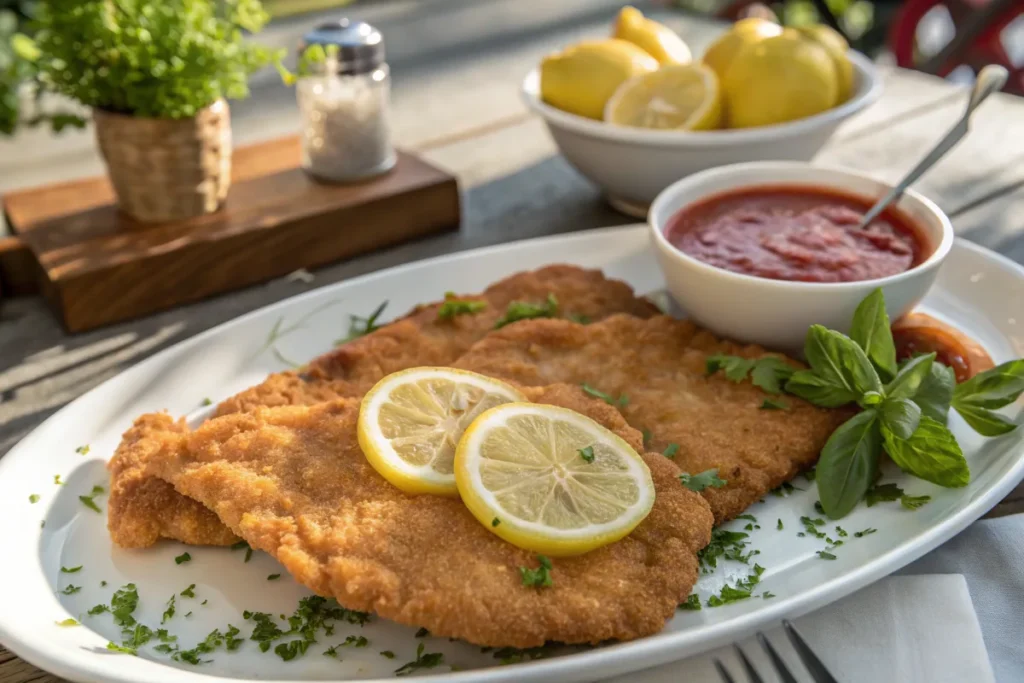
(97, 266)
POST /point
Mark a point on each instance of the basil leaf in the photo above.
(901, 416)
(818, 391)
(849, 463)
(984, 421)
(910, 377)
(873, 333)
(995, 388)
(837, 358)
(936, 392)
(932, 454)
(771, 373)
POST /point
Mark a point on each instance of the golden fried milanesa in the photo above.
(293, 482)
(144, 509)
(655, 371)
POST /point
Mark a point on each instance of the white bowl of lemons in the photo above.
(635, 112)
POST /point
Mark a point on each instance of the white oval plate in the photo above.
(976, 290)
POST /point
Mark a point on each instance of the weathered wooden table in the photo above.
(457, 65)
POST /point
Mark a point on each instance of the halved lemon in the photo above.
(410, 423)
(677, 96)
(550, 480)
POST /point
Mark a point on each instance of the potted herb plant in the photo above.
(156, 74)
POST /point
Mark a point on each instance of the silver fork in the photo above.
(814, 666)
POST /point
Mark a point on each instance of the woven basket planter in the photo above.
(167, 169)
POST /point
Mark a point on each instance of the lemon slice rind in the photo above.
(380, 449)
(616, 463)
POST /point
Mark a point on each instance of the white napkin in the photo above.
(902, 629)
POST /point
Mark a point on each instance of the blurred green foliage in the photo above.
(149, 58)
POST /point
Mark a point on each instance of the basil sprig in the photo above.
(905, 406)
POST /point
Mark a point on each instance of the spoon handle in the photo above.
(991, 79)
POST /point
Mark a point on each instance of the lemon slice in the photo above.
(678, 96)
(410, 423)
(550, 480)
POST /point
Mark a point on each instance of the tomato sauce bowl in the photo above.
(791, 256)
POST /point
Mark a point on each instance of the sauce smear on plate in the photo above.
(798, 233)
(917, 333)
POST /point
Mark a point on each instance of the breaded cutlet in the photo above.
(293, 482)
(143, 509)
(655, 372)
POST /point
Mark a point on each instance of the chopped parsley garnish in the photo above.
(453, 307)
(914, 502)
(515, 655)
(57, 480)
(495, 522)
(387, 654)
(774, 404)
(98, 609)
(70, 570)
(70, 589)
(587, 453)
(312, 615)
(273, 577)
(750, 518)
(82, 450)
(332, 651)
(883, 493)
(204, 602)
(188, 614)
(671, 450)
(647, 436)
(691, 603)
(89, 501)
(34, 498)
(206, 402)
(778, 525)
(864, 532)
(699, 482)
(358, 326)
(422, 633)
(169, 612)
(620, 402)
(356, 641)
(248, 554)
(424, 660)
(102, 584)
(768, 373)
(212, 641)
(68, 622)
(189, 592)
(785, 490)
(524, 310)
(767, 595)
(811, 526)
(239, 545)
(727, 545)
(825, 555)
(741, 591)
(181, 559)
(841, 532)
(114, 647)
(540, 577)
(810, 474)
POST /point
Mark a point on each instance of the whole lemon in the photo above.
(779, 79)
(744, 32)
(837, 47)
(656, 39)
(582, 78)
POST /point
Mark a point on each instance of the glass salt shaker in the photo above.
(346, 134)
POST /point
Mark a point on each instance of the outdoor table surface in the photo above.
(457, 66)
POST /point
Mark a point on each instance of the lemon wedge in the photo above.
(678, 96)
(550, 480)
(410, 423)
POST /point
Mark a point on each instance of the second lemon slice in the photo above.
(551, 480)
(680, 96)
(410, 423)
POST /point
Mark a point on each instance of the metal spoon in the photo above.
(991, 79)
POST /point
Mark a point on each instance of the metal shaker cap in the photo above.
(360, 45)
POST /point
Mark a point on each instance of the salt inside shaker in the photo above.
(346, 134)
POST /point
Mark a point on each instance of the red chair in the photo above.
(978, 39)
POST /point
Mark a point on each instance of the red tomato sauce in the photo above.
(799, 233)
(920, 333)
